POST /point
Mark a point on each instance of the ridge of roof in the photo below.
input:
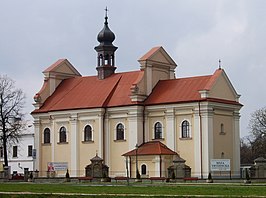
(108, 98)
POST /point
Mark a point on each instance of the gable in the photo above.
(222, 88)
(63, 67)
(157, 65)
(159, 55)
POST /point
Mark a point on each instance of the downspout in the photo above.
(200, 120)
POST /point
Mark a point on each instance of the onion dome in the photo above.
(105, 51)
(106, 36)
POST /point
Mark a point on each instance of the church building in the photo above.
(135, 120)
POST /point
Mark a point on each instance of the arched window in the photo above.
(185, 129)
(158, 130)
(62, 134)
(120, 132)
(87, 133)
(46, 136)
(143, 169)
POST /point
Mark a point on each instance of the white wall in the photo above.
(22, 160)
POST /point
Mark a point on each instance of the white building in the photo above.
(20, 155)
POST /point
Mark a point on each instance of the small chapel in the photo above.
(139, 120)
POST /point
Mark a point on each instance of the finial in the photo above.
(220, 63)
(106, 17)
(106, 10)
(96, 152)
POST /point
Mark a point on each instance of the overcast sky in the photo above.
(196, 34)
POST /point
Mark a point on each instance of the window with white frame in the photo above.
(120, 132)
(158, 131)
(62, 135)
(185, 129)
(87, 133)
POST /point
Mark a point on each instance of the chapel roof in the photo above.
(151, 148)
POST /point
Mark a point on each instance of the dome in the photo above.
(106, 35)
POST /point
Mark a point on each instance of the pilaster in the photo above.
(170, 129)
(236, 144)
(207, 138)
(74, 145)
(149, 76)
(53, 134)
(37, 143)
(157, 162)
(135, 126)
(197, 143)
(104, 138)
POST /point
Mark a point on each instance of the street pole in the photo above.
(127, 170)
(136, 161)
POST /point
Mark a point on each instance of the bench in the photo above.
(85, 179)
(157, 179)
(120, 178)
(191, 179)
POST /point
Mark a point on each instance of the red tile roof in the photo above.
(185, 90)
(178, 90)
(151, 148)
(90, 92)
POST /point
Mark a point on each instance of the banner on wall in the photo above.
(57, 166)
(220, 165)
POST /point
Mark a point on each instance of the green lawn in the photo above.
(134, 190)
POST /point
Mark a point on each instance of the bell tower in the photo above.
(106, 51)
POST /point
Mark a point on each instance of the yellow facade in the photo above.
(213, 127)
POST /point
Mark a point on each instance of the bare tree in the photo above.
(246, 156)
(254, 145)
(257, 123)
(11, 105)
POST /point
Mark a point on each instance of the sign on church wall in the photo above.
(57, 166)
(220, 165)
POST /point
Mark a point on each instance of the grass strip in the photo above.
(135, 190)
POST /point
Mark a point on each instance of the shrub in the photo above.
(67, 174)
(31, 175)
(247, 174)
(210, 176)
(173, 175)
